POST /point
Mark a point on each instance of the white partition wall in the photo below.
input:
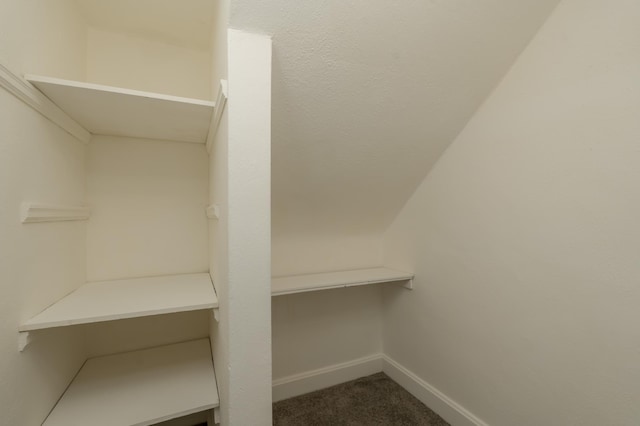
(249, 229)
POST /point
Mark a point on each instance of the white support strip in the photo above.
(309, 381)
(33, 213)
(32, 97)
(221, 102)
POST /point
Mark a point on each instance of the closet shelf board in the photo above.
(130, 298)
(325, 281)
(106, 110)
(140, 388)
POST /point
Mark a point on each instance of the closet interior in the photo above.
(144, 109)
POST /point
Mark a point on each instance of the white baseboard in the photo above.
(447, 408)
(321, 378)
(309, 381)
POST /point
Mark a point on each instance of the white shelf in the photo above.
(106, 110)
(140, 388)
(330, 280)
(130, 298)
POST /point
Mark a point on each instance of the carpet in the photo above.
(374, 400)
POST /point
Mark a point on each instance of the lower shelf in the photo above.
(140, 388)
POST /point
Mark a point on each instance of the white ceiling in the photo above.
(368, 94)
(181, 22)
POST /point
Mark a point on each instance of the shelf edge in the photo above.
(29, 326)
(402, 277)
(117, 90)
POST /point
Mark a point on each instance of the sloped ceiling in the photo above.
(368, 94)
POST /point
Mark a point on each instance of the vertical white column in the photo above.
(249, 229)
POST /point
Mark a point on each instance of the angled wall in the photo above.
(39, 163)
(524, 237)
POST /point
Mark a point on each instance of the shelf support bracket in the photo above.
(408, 284)
(213, 212)
(216, 416)
(24, 338)
(216, 314)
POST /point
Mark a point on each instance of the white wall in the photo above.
(524, 237)
(46, 37)
(39, 263)
(148, 201)
(39, 162)
(104, 338)
(131, 61)
(321, 329)
(310, 252)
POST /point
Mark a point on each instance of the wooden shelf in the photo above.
(140, 388)
(106, 110)
(130, 298)
(330, 280)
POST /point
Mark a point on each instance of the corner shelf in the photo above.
(140, 388)
(130, 298)
(106, 110)
(330, 280)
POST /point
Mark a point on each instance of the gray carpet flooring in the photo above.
(372, 401)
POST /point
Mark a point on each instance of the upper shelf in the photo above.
(106, 110)
(130, 298)
(325, 281)
(140, 388)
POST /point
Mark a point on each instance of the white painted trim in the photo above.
(32, 97)
(447, 408)
(221, 102)
(213, 211)
(33, 213)
(309, 381)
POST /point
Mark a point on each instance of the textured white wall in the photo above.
(364, 102)
(39, 162)
(148, 201)
(134, 62)
(365, 99)
(524, 237)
